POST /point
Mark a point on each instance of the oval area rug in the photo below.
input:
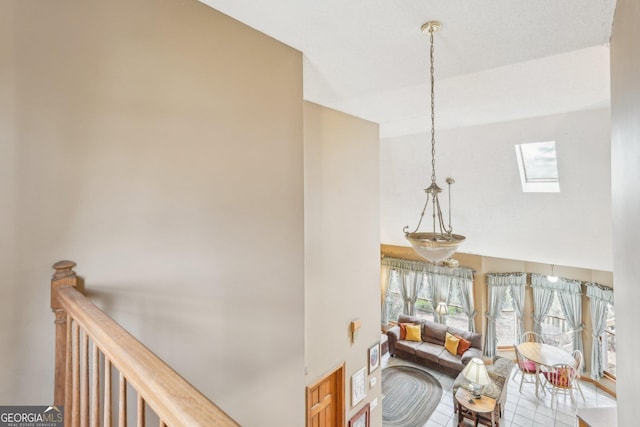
(410, 396)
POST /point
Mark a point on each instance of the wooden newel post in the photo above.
(63, 277)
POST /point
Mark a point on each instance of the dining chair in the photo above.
(531, 336)
(529, 371)
(560, 379)
(577, 355)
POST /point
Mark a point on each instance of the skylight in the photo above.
(538, 167)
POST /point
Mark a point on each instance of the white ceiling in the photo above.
(496, 60)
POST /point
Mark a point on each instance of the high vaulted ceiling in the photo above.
(369, 58)
(506, 72)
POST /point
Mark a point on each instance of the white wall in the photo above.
(159, 145)
(625, 156)
(342, 250)
(571, 228)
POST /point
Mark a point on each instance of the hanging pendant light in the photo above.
(440, 243)
(552, 277)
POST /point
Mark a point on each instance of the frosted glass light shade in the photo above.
(434, 247)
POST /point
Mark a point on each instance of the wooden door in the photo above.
(325, 401)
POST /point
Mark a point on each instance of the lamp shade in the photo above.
(476, 372)
(441, 309)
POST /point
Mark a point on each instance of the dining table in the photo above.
(544, 354)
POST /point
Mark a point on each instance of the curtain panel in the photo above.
(498, 283)
(571, 304)
(570, 297)
(385, 277)
(599, 297)
(562, 285)
(409, 282)
(542, 299)
(496, 298)
(468, 305)
(404, 264)
(440, 286)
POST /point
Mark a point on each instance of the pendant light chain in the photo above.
(439, 244)
(433, 115)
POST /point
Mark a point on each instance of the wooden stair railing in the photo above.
(90, 345)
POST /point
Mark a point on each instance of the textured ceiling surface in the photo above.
(369, 58)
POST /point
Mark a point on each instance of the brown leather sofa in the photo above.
(430, 350)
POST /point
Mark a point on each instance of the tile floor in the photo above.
(522, 409)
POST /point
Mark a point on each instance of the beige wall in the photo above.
(9, 292)
(159, 145)
(625, 180)
(341, 247)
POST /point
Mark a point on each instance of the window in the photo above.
(506, 323)
(424, 305)
(456, 316)
(609, 342)
(394, 297)
(538, 167)
(555, 328)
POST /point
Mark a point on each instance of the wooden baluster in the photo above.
(122, 404)
(95, 397)
(75, 388)
(62, 278)
(84, 394)
(68, 386)
(141, 414)
(107, 392)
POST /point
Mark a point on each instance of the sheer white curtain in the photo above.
(542, 300)
(518, 293)
(466, 296)
(385, 276)
(409, 282)
(497, 284)
(599, 297)
(496, 291)
(440, 287)
(570, 296)
(517, 285)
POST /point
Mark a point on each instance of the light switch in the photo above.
(372, 381)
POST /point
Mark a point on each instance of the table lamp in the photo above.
(441, 310)
(476, 373)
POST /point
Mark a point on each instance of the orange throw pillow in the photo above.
(403, 330)
(463, 345)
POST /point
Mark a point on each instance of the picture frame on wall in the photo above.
(374, 357)
(358, 386)
(361, 418)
